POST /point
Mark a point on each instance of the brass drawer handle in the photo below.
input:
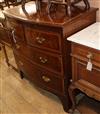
(89, 63)
(90, 55)
(17, 46)
(13, 36)
(43, 60)
(71, 80)
(40, 40)
(21, 63)
(46, 79)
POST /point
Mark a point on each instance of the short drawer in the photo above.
(81, 73)
(18, 29)
(41, 39)
(44, 59)
(86, 52)
(40, 76)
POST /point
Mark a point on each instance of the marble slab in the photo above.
(89, 36)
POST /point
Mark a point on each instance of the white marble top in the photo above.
(89, 36)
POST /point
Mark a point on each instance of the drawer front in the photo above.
(41, 39)
(18, 29)
(40, 76)
(86, 52)
(49, 61)
(81, 73)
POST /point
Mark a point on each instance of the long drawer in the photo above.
(47, 60)
(40, 76)
(85, 52)
(45, 40)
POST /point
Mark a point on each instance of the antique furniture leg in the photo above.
(3, 43)
(72, 96)
(66, 3)
(65, 102)
(87, 4)
(21, 74)
(5, 53)
(68, 7)
(1, 7)
(6, 57)
(7, 3)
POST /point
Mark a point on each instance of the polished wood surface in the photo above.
(41, 51)
(41, 77)
(88, 81)
(50, 61)
(84, 52)
(42, 39)
(58, 18)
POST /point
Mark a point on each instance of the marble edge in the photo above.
(75, 40)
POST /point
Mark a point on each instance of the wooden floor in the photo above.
(21, 97)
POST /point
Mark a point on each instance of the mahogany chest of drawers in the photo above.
(41, 50)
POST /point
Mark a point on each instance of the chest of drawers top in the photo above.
(56, 19)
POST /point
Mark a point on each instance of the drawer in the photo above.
(44, 40)
(40, 76)
(81, 73)
(44, 59)
(18, 29)
(85, 52)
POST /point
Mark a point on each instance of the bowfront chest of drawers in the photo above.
(86, 62)
(40, 47)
